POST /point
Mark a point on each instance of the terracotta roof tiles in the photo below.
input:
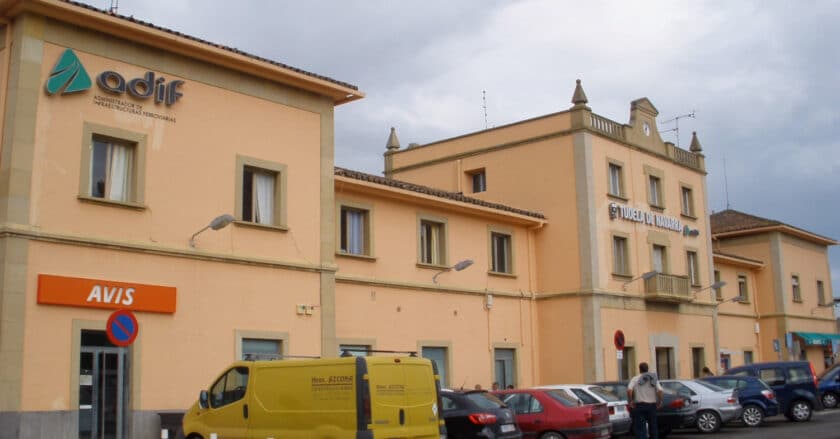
(733, 221)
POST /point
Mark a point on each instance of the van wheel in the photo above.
(194, 436)
(800, 411)
(753, 416)
(708, 422)
(551, 435)
(829, 400)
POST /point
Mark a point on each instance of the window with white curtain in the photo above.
(432, 245)
(258, 195)
(501, 253)
(354, 231)
(112, 169)
(693, 268)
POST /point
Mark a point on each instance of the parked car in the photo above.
(793, 382)
(593, 394)
(754, 395)
(715, 405)
(829, 386)
(555, 414)
(675, 412)
(477, 414)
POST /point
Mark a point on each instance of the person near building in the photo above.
(707, 372)
(495, 385)
(644, 395)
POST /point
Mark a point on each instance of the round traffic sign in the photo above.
(122, 327)
(618, 339)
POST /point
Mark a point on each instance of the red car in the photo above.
(554, 414)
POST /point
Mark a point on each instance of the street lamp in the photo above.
(218, 222)
(717, 285)
(457, 267)
(644, 276)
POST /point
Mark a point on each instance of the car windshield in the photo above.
(485, 400)
(563, 398)
(603, 393)
(709, 386)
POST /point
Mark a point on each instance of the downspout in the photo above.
(532, 274)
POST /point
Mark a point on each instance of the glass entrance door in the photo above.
(103, 388)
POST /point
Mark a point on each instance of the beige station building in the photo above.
(194, 185)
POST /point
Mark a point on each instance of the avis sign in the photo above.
(104, 294)
(69, 76)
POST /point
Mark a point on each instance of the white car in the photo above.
(592, 394)
(715, 405)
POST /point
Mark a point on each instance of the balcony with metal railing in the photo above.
(668, 288)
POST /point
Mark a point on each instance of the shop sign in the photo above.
(104, 294)
(627, 213)
(70, 76)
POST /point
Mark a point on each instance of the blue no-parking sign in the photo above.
(122, 328)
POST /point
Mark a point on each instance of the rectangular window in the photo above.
(500, 246)
(794, 283)
(687, 201)
(743, 292)
(260, 192)
(620, 262)
(821, 293)
(112, 169)
(355, 230)
(698, 361)
(432, 245)
(660, 261)
(479, 181)
(261, 349)
(504, 361)
(748, 357)
(664, 363)
(438, 356)
(718, 291)
(655, 191)
(628, 363)
(616, 187)
(693, 268)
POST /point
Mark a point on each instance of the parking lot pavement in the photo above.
(823, 425)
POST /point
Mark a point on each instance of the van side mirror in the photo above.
(203, 399)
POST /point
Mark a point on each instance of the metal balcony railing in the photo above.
(668, 288)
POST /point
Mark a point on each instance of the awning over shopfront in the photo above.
(817, 338)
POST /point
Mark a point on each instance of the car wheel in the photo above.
(708, 421)
(551, 435)
(829, 400)
(800, 411)
(753, 416)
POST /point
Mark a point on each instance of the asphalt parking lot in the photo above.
(824, 424)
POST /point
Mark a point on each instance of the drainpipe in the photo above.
(533, 303)
(5, 85)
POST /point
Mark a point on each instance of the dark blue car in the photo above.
(829, 385)
(793, 382)
(755, 396)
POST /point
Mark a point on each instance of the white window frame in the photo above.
(278, 199)
(343, 228)
(134, 195)
(435, 256)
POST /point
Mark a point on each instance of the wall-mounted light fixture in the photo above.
(733, 299)
(644, 276)
(715, 286)
(218, 222)
(834, 302)
(457, 267)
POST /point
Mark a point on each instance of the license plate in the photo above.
(507, 428)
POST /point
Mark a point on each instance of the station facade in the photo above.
(195, 185)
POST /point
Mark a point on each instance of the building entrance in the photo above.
(103, 387)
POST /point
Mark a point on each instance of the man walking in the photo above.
(644, 394)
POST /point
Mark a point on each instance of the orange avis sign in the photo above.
(105, 294)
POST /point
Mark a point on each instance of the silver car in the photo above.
(715, 405)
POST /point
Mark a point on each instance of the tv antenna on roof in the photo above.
(115, 4)
(676, 121)
(484, 105)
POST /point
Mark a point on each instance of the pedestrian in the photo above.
(510, 386)
(495, 385)
(478, 387)
(644, 395)
(707, 372)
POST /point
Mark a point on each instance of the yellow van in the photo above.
(351, 397)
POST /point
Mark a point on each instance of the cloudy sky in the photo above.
(761, 77)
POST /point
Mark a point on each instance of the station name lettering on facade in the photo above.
(627, 213)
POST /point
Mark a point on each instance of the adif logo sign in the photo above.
(70, 76)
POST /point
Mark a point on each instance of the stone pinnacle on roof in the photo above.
(393, 143)
(695, 144)
(579, 98)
